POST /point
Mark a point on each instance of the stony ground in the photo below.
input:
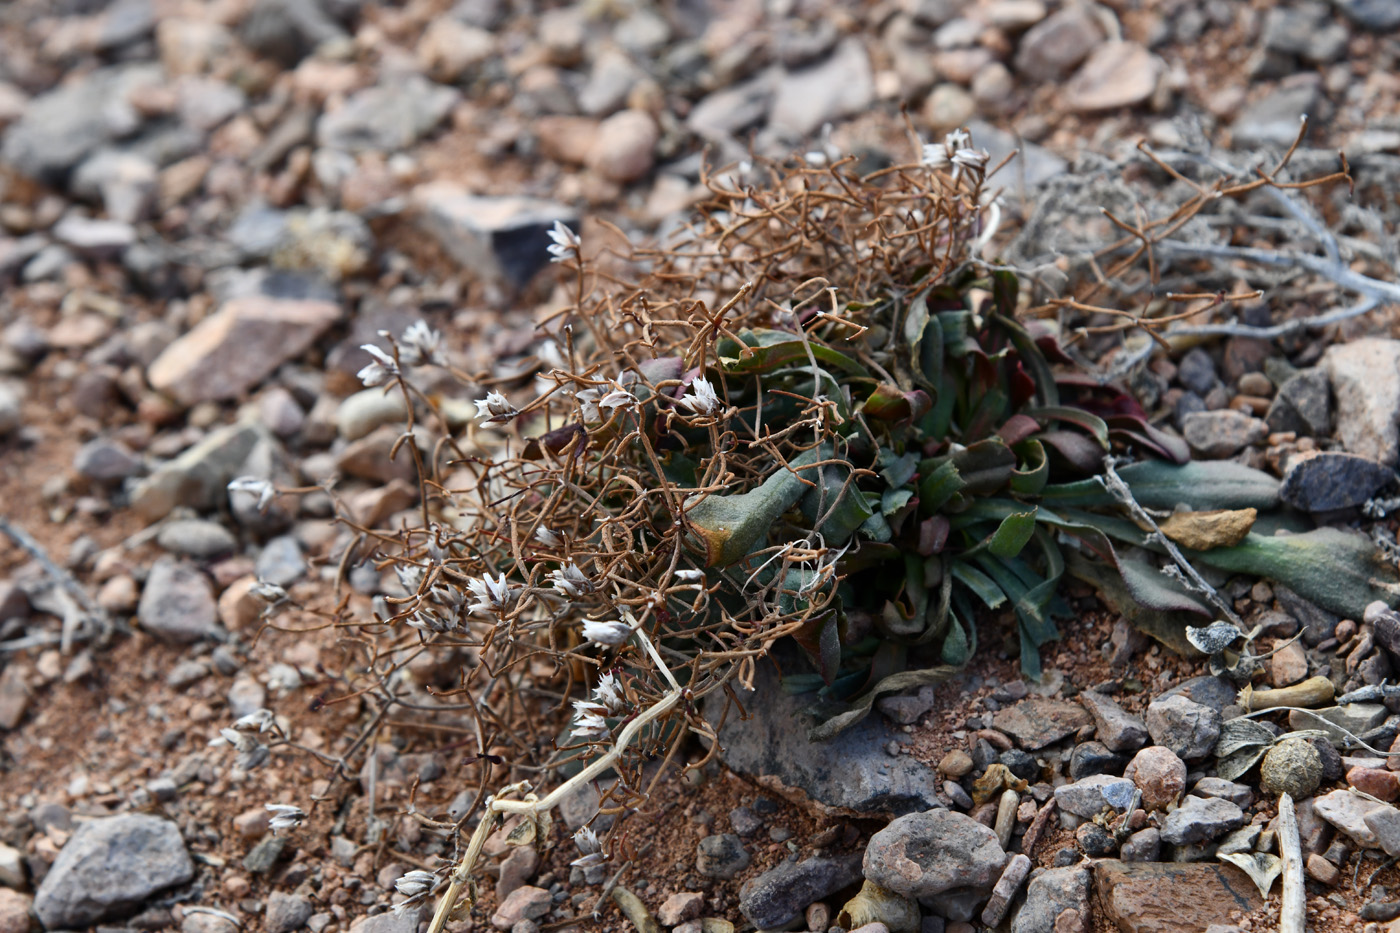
(207, 207)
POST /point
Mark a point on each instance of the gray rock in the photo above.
(286, 912)
(1305, 30)
(1189, 729)
(1087, 798)
(1005, 889)
(1196, 372)
(1347, 812)
(109, 867)
(125, 183)
(721, 856)
(1384, 824)
(196, 537)
(1329, 481)
(388, 117)
(61, 128)
(744, 821)
(177, 604)
(1201, 819)
(1272, 121)
(206, 923)
(843, 84)
(1052, 48)
(106, 460)
(849, 771)
(926, 854)
(1303, 405)
(1380, 15)
(906, 710)
(281, 561)
(11, 411)
(1356, 718)
(1120, 731)
(1032, 166)
(234, 349)
(1116, 74)
(95, 238)
(495, 238)
(1037, 722)
(1238, 794)
(729, 111)
(1365, 376)
(1223, 433)
(1145, 845)
(1090, 758)
(14, 697)
(1318, 624)
(364, 411)
(125, 22)
(1049, 895)
(391, 921)
(288, 30)
(265, 854)
(199, 477)
(780, 895)
(245, 696)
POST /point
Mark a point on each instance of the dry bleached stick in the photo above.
(1292, 917)
(532, 809)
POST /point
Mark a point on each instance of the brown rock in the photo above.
(1160, 774)
(1378, 782)
(624, 148)
(1289, 665)
(239, 346)
(1117, 74)
(1321, 870)
(14, 911)
(1163, 897)
(1036, 723)
(524, 903)
(566, 139)
(956, 764)
(680, 907)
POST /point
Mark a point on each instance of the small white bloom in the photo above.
(492, 595)
(378, 372)
(258, 487)
(495, 407)
(609, 693)
(420, 345)
(268, 592)
(935, 155)
(261, 720)
(690, 576)
(566, 242)
(702, 400)
(610, 634)
(415, 883)
(617, 398)
(548, 538)
(974, 161)
(410, 576)
(238, 740)
(589, 723)
(284, 816)
(588, 404)
(589, 846)
(570, 581)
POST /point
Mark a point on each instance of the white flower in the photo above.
(704, 401)
(935, 156)
(548, 538)
(589, 723)
(495, 407)
(251, 752)
(566, 242)
(268, 592)
(415, 883)
(284, 816)
(589, 846)
(420, 344)
(609, 693)
(261, 720)
(258, 487)
(570, 581)
(610, 634)
(956, 150)
(378, 372)
(690, 576)
(492, 595)
(973, 160)
(617, 398)
(588, 404)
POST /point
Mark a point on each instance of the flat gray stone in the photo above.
(1201, 819)
(177, 604)
(922, 855)
(780, 895)
(109, 868)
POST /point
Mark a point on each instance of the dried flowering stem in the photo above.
(532, 808)
(1292, 915)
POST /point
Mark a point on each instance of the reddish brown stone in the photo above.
(1165, 897)
(1378, 782)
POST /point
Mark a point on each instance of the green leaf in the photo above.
(730, 527)
(938, 486)
(1013, 534)
(1090, 422)
(986, 466)
(1201, 485)
(1169, 628)
(1031, 480)
(764, 350)
(955, 326)
(836, 507)
(956, 650)
(890, 403)
(896, 470)
(1339, 570)
(979, 583)
(892, 500)
(929, 350)
(1155, 590)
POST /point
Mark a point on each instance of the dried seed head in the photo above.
(609, 634)
(380, 370)
(284, 816)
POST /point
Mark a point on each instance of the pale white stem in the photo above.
(1292, 916)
